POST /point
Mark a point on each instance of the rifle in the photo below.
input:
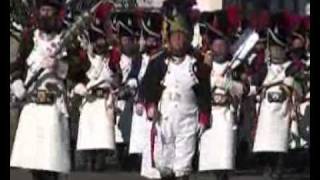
(243, 46)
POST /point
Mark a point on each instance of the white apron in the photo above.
(272, 133)
(217, 144)
(96, 124)
(176, 131)
(42, 137)
(138, 135)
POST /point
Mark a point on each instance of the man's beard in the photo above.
(48, 24)
(220, 58)
(150, 48)
(179, 52)
(130, 50)
(100, 50)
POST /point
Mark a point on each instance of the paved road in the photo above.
(23, 175)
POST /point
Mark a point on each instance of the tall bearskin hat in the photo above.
(101, 22)
(102, 14)
(260, 22)
(126, 23)
(279, 29)
(298, 27)
(234, 19)
(214, 24)
(151, 23)
(58, 4)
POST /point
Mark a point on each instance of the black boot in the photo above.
(267, 172)
(44, 175)
(183, 178)
(135, 162)
(278, 171)
(90, 160)
(99, 161)
(121, 155)
(225, 175)
(221, 175)
(218, 175)
(168, 178)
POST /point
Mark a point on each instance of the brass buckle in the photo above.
(100, 93)
(42, 96)
(219, 99)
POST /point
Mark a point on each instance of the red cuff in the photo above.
(148, 105)
(82, 55)
(204, 118)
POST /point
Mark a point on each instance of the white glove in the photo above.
(18, 89)
(288, 81)
(80, 89)
(132, 83)
(252, 91)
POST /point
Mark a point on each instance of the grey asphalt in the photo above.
(117, 175)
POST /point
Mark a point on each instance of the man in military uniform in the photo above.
(96, 124)
(218, 143)
(126, 23)
(151, 23)
(42, 138)
(277, 94)
(177, 100)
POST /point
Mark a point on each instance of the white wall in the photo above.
(150, 3)
(209, 5)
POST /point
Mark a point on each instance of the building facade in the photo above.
(297, 6)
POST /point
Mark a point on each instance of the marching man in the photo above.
(42, 138)
(151, 29)
(218, 143)
(177, 100)
(274, 113)
(96, 134)
(127, 34)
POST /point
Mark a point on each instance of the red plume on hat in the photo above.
(101, 15)
(103, 11)
(293, 25)
(138, 12)
(195, 15)
(296, 21)
(234, 19)
(287, 21)
(260, 21)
